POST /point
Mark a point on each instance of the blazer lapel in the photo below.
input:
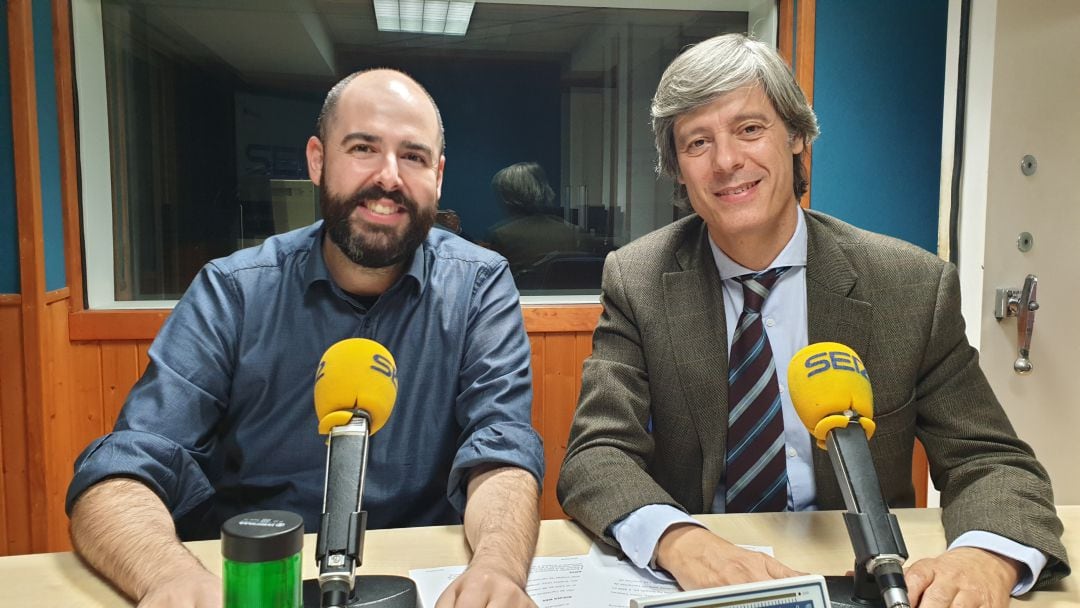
(832, 316)
(693, 299)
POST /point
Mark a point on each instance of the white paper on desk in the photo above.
(430, 582)
(555, 582)
(552, 581)
(613, 582)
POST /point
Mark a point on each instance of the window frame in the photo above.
(95, 158)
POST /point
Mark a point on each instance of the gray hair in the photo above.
(718, 66)
(329, 107)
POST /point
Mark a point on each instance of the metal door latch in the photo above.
(1020, 303)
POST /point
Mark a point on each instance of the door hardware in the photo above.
(1020, 303)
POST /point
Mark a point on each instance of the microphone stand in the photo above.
(878, 578)
(340, 545)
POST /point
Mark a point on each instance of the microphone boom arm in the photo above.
(340, 545)
(874, 531)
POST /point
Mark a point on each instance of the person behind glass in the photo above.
(649, 442)
(532, 231)
(223, 422)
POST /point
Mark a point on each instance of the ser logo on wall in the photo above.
(282, 162)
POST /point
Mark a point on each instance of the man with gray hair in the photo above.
(684, 410)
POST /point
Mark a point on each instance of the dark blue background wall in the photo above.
(9, 234)
(879, 76)
(496, 114)
(49, 145)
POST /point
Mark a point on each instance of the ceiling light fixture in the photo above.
(446, 17)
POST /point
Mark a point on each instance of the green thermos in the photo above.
(261, 552)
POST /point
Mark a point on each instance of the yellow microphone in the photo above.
(826, 380)
(355, 375)
(355, 390)
(830, 389)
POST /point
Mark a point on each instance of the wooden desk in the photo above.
(813, 542)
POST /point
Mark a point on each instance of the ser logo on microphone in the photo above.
(385, 367)
(838, 360)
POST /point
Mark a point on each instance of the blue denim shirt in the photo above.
(223, 422)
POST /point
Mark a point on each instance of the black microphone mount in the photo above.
(339, 549)
(880, 552)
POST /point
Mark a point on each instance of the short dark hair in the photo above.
(523, 186)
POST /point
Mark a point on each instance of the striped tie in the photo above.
(756, 470)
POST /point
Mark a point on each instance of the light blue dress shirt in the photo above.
(785, 318)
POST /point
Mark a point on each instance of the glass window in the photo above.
(194, 116)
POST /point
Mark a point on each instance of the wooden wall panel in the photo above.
(785, 30)
(560, 373)
(8, 320)
(64, 72)
(14, 484)
(536, 346)
(32, 290)
(57, 409)
(561, 317)
(142, 356)
(805, 28)
(119, 371)
(557, 358)
(88, 419)
(920, 474)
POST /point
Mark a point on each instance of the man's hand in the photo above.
(123, 530)
(481, 586)
(502, 521)
(196, 588)
(698, 559)
(965, 576)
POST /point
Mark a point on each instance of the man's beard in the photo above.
(379, 246)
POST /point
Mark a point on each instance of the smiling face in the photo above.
(379, 169)
(735, 159)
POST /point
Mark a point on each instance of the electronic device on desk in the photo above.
(807, 591)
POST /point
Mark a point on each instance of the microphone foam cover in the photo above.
(355, 374)
(825, 379)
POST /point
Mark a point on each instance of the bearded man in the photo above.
(222, 422)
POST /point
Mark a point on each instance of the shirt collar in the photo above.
(418, 265)
(316, 270)
(793, 254)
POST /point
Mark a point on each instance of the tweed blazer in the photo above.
(651, 423)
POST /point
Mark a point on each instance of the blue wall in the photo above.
(49, 146)
(879, 77)
(9, 233)
(496, 114)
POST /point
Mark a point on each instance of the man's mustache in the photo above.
(372, 193)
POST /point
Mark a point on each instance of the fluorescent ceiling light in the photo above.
(446, 17)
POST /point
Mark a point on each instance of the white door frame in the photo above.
(976, 161)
